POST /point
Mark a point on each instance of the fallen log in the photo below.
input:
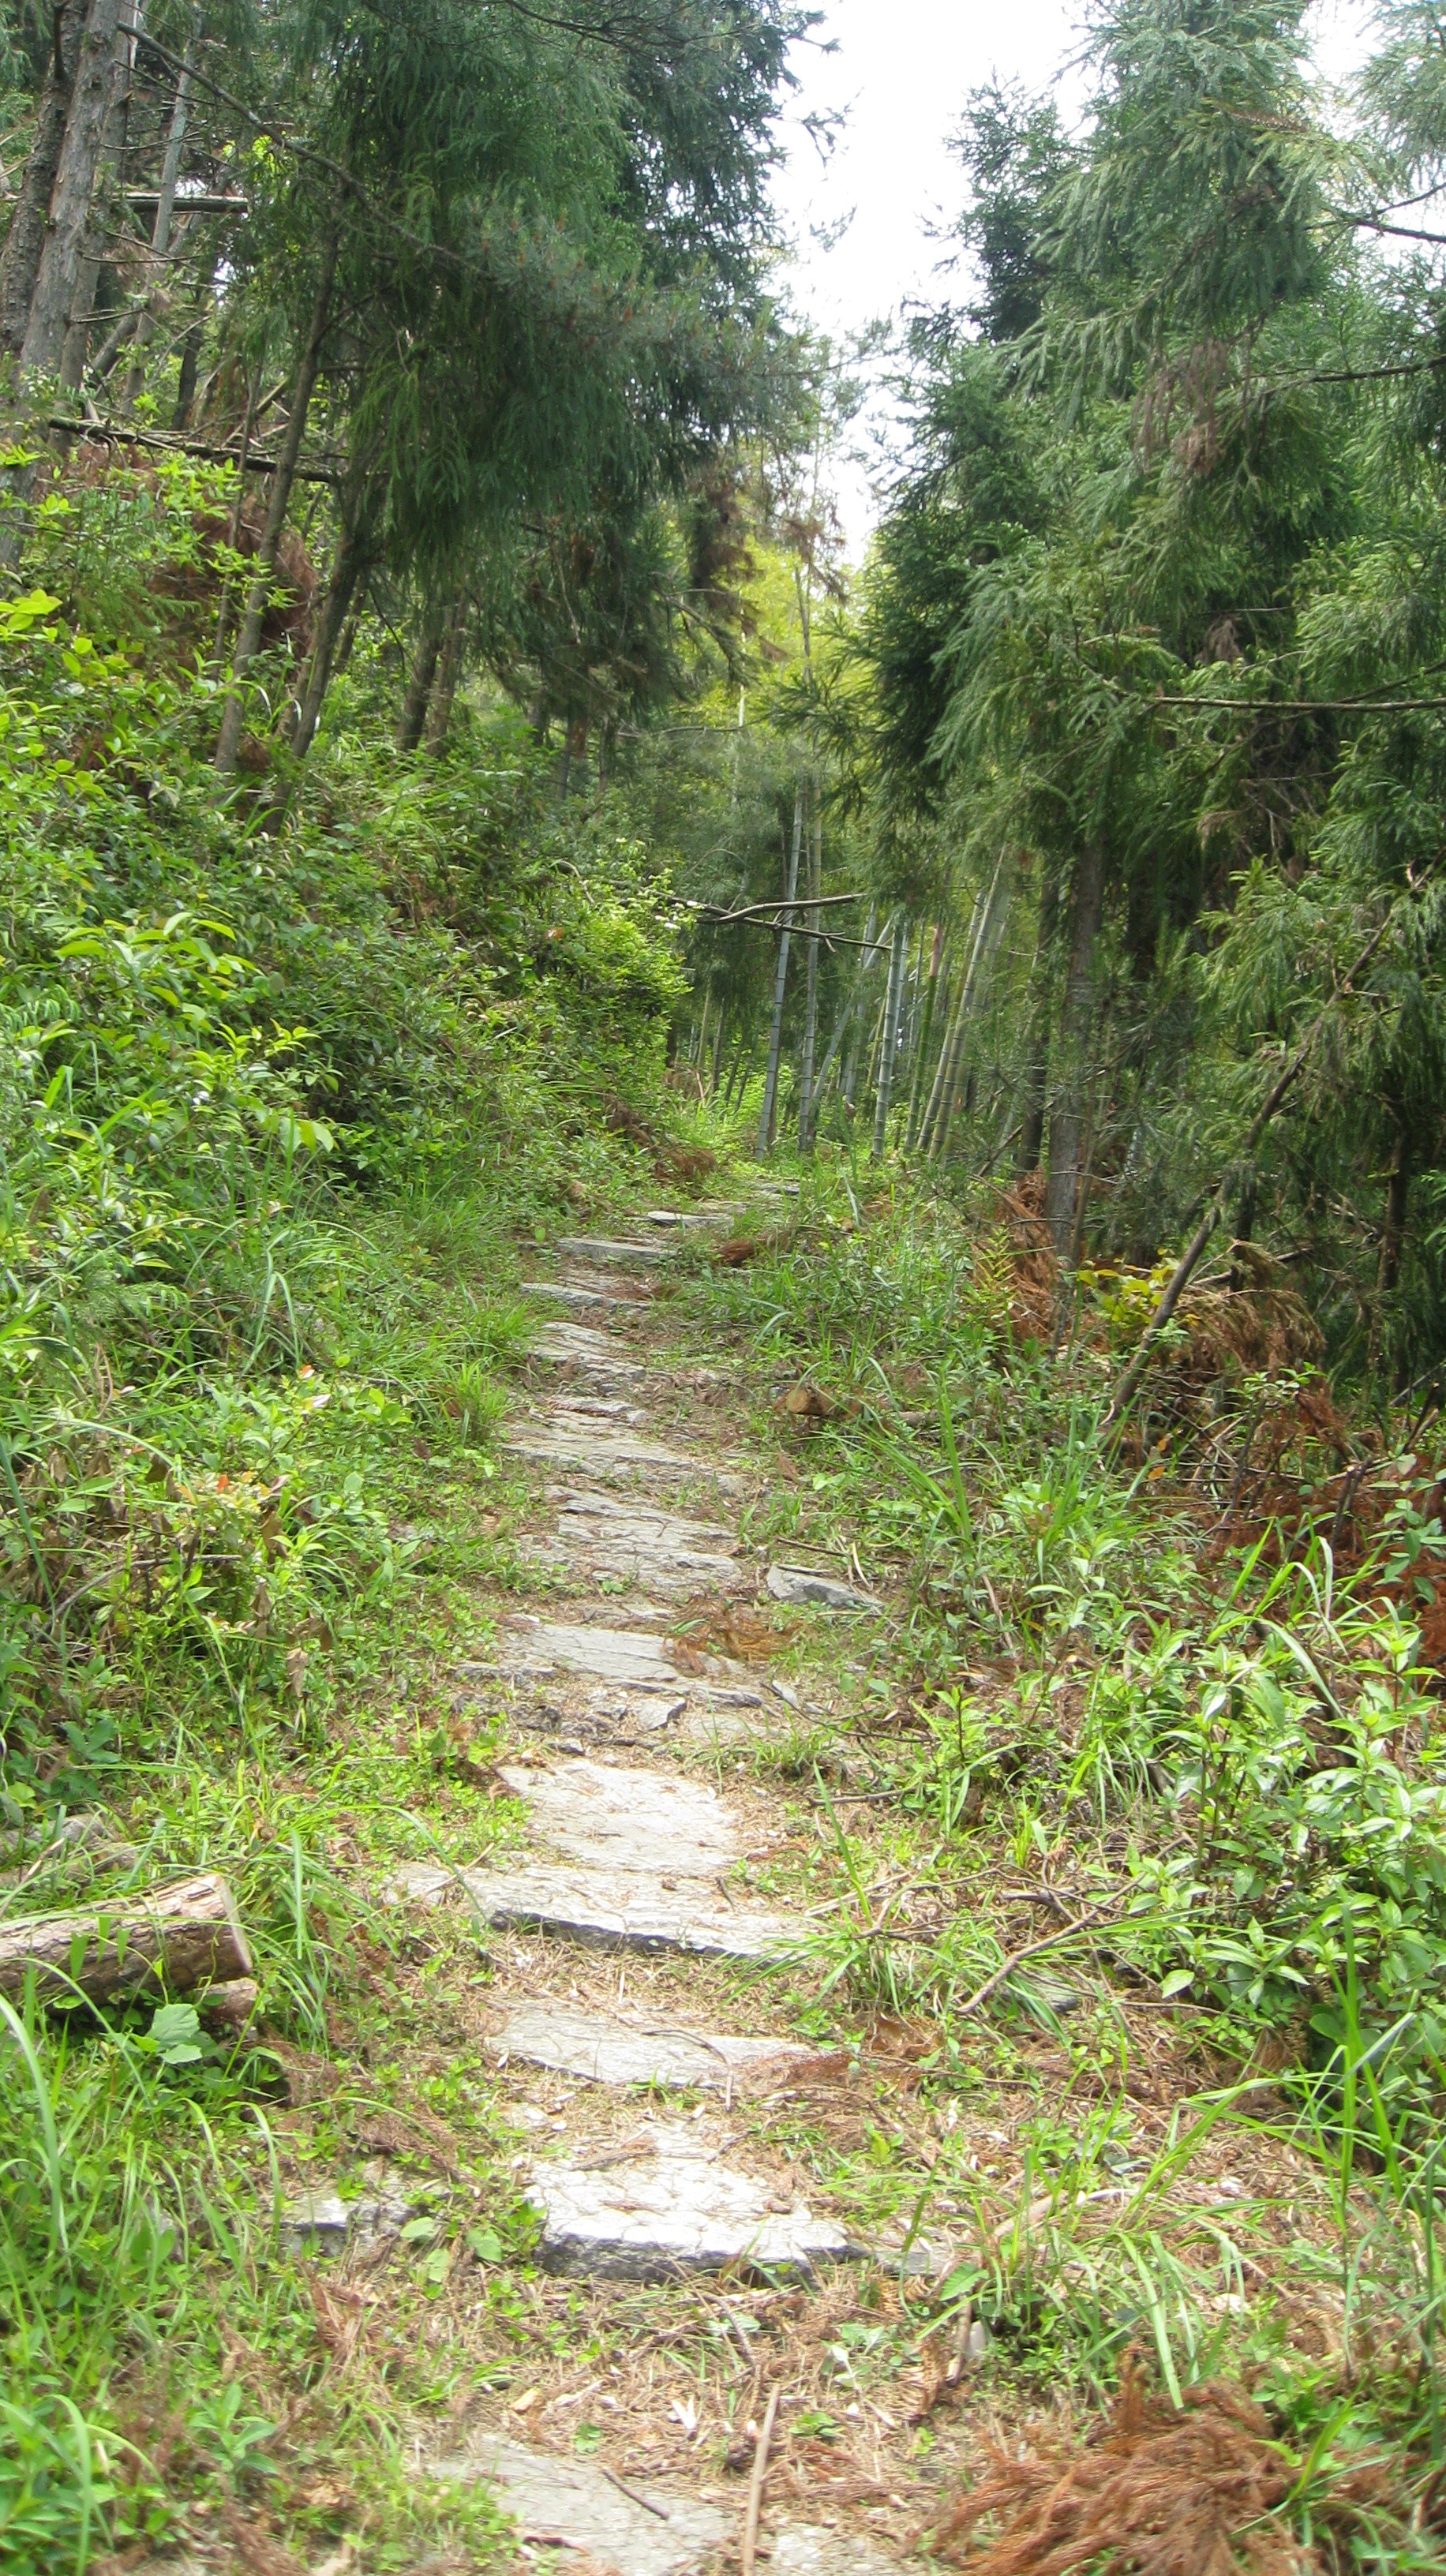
(170, 1940)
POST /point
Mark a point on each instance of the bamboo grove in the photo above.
(1128, 741)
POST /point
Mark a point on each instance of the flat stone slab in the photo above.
(605, 1909)
(602, 2050)
(596, 1247)
(576, 2506)
(574, 1296)
(797, 1583)
(647, 2216)
(612, 1818)
(586, 1347)
(810, 2549)
(572, 1438)
(645, 1543)
(628, 1656)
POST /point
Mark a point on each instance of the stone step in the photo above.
(596, 1247)
(583, 1345)
(648, 1545)
(600, 2048)
(671, 2205)
(574, 1296)
(572, 1438)
(629, 1657)
(610, 1817)
(605, 1909)
(574, 2505)
(634, 2526)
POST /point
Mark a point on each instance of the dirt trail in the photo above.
(648, 2076)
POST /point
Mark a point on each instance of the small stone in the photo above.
(316, 2222)
(574, 2505)
(795, 1583)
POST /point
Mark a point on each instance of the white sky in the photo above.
(901, 70)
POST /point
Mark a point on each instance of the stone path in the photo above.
(629, 1850)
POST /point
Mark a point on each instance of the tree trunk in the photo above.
(932, 985)
(1393, 1236)
(25, 241)
(248, 640)
(810, 1003)
(856, 1046)
(423, 672)
(145, 319)
(987, 923)
(69, 210)
(893, 1005)
(1061, 1195)
(780, 981)
(348, 565)
(190, 368)
(79, 313)
(1036, 1060)
(178, 1937)
(449, 676)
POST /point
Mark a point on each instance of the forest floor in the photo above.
(620, 2132)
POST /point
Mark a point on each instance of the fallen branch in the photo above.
(1031, 1950)
(174, 1939)
(748, 2554)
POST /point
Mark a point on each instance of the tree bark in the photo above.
(348, 565)
(933, 985)
(75, 175)
(145, 319)
(1036, 1061)
(810, 1003)
(112, 144)
(178, 1937)
(780, 980)
(423, 672)
(986, 926)
(1066, 1125)
(248, 640)
(25, 241)
(883, 1097)
(449, 676)
(1393, 1235)
(190, 369)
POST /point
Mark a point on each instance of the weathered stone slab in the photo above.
(612, 1818)
(602, 2050)
(575, 2505)
(605, 1909)
(798, 1583)
(571, 1437)
(596, 1247)
(644, 1542)
(810, 2549)
(584, 1346)
(627, 1656)
(571, 1295)
(679, 2208)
